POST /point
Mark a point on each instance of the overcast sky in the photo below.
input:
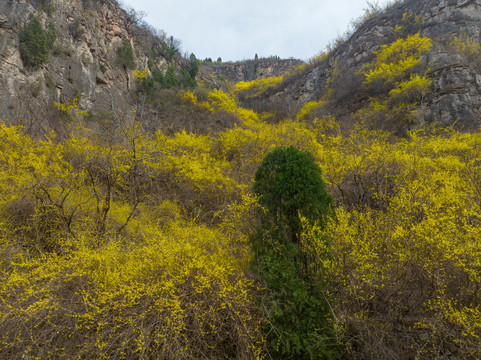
(239, 29)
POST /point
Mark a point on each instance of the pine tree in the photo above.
(291, 191)
(33, 44)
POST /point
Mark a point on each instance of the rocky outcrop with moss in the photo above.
(248, 70)
(454, 65)
(84, 62)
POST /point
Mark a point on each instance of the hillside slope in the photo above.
(455, 72)
(82, 63)
(136, 231)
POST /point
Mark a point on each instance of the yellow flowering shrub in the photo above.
(136, 244)
(190, 96)
(256, 87)
(307, 108)
(152, 285)
(181, 293)
(140, 75)
(466, 46)
(411, 90)
(412, 262)
(394, 60)
(398, 71)
(70, 109)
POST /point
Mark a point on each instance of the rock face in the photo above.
(248, 70)
(83, 62)
(456, 93)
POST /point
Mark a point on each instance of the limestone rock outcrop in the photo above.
(249, 70)
(83, 62)
(456, 92)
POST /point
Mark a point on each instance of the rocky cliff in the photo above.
(456, 92)
(248, 70)
(83, 61)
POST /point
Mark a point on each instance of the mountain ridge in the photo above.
(84, 63)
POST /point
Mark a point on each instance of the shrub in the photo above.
(171, 79)
(397, 60)
(147, 85)
(289, 182)
(290, 188)
(158, 76)
(46, 5)
(51, 34)
(33, 44)
(193, 66)
(126, 55)
(170, 48)
(151, 64)
(76, 28)
(399, 71)
(186, 79)
(468, 47)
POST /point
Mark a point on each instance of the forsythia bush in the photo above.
(94, 265)
(256, 87)
(399, 80)
(394, 60)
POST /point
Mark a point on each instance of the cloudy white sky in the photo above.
(239, 29)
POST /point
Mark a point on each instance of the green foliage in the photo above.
(193, 66)
(171, 80)
(170, 48)
(125, 55)
(76, 28)
(296, 309)
(186, 80)
(34, 44)
(51, 34)
(151, 64)
(289, 183)
(158, 76)
(291, 191)
(46, 5)
(147, 85)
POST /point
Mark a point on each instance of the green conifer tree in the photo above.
(33, 44)
(290, 187)
(126, 55)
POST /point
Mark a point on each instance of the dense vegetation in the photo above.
(35, 42)
(122, 237)
(290, 261)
